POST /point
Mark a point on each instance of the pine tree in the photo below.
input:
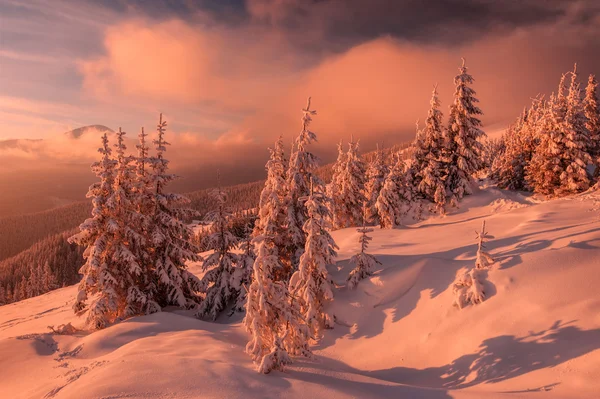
(376, 174)
(520, 141)
(170, 237)
(559, 165)
(220, 265)
(22, 289)
(311, 284)
(430, 168)
(335, 187)
(483, 259)
(301, 171)
(242, 274)
(98, 280)
(364, 262)
(48, 279)
(274, 322)
(591, 110)
(129, 241)
(462, 134)
(350, 197)
(396, 197)
(272, 210)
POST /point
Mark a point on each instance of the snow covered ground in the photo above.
(397, 335)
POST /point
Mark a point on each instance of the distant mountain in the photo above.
(17, 143)
(77, 133)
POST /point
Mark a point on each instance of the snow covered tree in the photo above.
(311, 284)
(520, 143)
(98, 280)
(396, 197)
(483, 259)
(376, 174)
(468, 288)
(462, 138)
(335, 186)
(350, 196)
(276, 326)
(170, 236)
(242, 274)
(48, 279)
(113, 273)
(559, 165)
(591, 109)
(353, 186)
(217, 283)
(364, 262)
(273, 208)
(301, 171)
(430, 166)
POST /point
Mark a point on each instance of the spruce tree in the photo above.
(364, 262)
(273, 318)
(483, 259)
(396, 197)
(335, 187)
(430, 167)
(98, 279)
(170, 236)
(301, 171)
(242, 274)
(376, 174)
(350, 197)
(311, 285)
(558, 166)
(220, 265)
(591, 110)
(273, 207)
(462, 138)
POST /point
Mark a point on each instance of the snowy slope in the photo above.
(398, 336)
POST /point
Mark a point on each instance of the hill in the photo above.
(397, 334)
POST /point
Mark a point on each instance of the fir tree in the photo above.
(272, 209)
(350, 196)
(220, 265)
(396, 197)
(311, 284)
(430, 167)
(170, 237)
(376, 174)
(558, 166)
(520, 141)
(591, 110)
(335, 186)
(483, 259)
(276, 326)
(98, 280)
(301, 171)
(364, 262)
(242, 274)
(463, 133)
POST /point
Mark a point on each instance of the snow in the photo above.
(397, 335)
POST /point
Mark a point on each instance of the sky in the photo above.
(230, 76)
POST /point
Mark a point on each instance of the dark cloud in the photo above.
(432, 21)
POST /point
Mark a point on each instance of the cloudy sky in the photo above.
(232, 75)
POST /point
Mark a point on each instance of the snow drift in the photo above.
(396, 335)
